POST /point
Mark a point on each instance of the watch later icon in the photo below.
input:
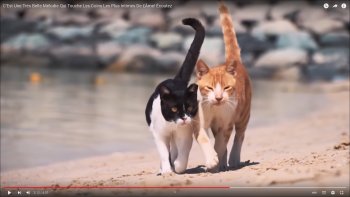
(343, 5)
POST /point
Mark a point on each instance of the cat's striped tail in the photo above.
(190, 61)
(232, 49)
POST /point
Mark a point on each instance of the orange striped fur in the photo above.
(232, 50)
(226, 96)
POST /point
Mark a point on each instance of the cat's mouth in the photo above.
(218, 103)
(183, 122)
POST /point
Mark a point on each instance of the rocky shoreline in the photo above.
(281, 40)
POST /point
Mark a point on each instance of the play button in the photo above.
(9, 192)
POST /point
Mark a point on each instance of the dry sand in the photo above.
(312, 151)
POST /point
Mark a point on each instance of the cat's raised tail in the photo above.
(232, 49)
(193, 53)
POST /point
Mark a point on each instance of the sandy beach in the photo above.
(310, 151)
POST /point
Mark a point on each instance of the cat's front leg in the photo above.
(221, 148)
(183, 141)
(211, 156)
(162, 144)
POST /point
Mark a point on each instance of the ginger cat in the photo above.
(225, 92)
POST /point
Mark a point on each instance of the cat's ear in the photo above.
(192, 88)
(164, 91)
(231, 67)
(201, 68)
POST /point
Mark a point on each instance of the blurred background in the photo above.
(75, 81)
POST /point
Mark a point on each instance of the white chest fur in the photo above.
(160, 125)
(171, 139)
(222, 114)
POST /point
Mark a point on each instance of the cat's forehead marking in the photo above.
(217, 87)
(217, 77)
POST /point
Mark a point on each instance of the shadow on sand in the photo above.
(202, 168)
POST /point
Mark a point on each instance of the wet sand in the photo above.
(311, 151)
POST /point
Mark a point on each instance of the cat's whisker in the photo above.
(194, 120)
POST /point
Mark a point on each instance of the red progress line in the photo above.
(115, 187)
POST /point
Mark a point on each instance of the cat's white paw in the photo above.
(166, 171)
(212, 162)
(179, 167)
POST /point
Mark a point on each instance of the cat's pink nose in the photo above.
(184, 118)
(218, 98)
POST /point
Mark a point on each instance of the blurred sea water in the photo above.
(64, 115)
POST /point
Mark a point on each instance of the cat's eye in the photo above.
(189, 108)
(174, 109)
(227, 88)
(209, 88)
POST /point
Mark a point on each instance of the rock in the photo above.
(338, 58)
(189, 10)
(12, 13)
(210, 8)
(29, 42)
(167, 40)
(26, 60)
(137, 35)
(249, 43)
(43, 14)
(11, 27)
(70, 50)
(108, 50)
(115, 28)
(323, 72)
(335, 39)
(77, 62)
(171, 61)
(212, 51)
(111, 14)
(285, 8)
(290, 74)
(253, 12)
(301, 40)
(152, 18)
(247, 59)
(216, 30)
(138, 58)
(324, 25)
(273, 28)
(261, 73)
(318, 12)
(340, 14)
(71, 18)
(319, 22)
(74, 57)
(70, 32)
(282, 58)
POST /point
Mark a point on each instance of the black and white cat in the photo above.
(171, 108)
